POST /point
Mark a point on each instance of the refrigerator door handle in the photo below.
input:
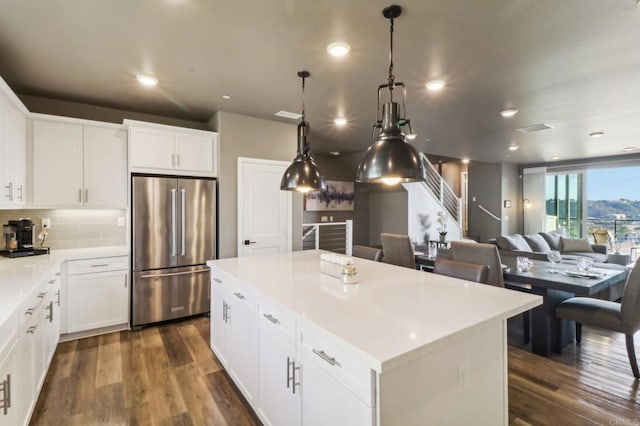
(173, 223)
(183, 196)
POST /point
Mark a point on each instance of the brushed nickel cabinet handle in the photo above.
(86, 195)
(29, 311)
(5, 387)
(9, 188)
(21, 197)
(178, 160)
(32, 329)
(173, 160)
(42, 295)
(289, 378)
(58, 294)
(100, 265)
(218, 280)
(239, 295)
(80, 195)
(294, 383)
(322, 354)
(271, 318)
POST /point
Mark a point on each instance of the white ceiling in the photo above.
(574, 64)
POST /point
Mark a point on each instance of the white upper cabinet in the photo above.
(13, 149)
(79, 165)
(168, 149)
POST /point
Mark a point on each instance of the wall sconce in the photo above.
(507, 204)
(527, 203)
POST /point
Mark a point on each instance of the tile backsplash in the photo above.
(75, 228)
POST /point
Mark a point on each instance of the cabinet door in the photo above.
(9, 388)
(194, 152)
(97, 300)
(244, 345)
(15, 158)
(325, 401)
(151, 148)
(31, 370)
(52, 320)
(5, 188)
(278, 404)
(105, 167)
(220, 325)
(57, 164)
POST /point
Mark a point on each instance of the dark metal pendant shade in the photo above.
(390, 159)
(303, 175)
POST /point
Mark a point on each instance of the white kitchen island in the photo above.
(401, 347)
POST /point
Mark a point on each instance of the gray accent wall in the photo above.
(485, 188)
(511, 191)
(388, 212)
(243, 136)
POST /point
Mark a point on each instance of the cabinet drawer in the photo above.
(8, 332)
(240, 293)
(30, 309)
(221, 279)
(339, 361)
(280, 321)
(103, 264)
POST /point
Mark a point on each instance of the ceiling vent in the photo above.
(534, 128)
(287, 114)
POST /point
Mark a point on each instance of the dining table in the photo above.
(554, 284)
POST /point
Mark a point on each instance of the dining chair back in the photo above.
(366, 252)
(480, 254)
(397, 250)
(463, 270)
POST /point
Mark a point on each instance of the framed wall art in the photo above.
(338, 197)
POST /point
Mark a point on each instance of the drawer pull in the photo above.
(322, 354)
(32, 329)
(29, 311)
(271, 318)
(42, 295)
(218, 280)
(239, 296)
(52, 282)
(101, 265)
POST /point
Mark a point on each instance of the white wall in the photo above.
(422, 215)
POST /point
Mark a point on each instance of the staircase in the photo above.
(428, 198)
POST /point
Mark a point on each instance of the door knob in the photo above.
(247, 242)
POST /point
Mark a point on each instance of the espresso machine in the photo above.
(18, 239)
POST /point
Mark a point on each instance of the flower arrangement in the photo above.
(442, 220)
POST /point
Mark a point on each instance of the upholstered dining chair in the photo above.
(366, 252)
(487, 254)
(463, 270)
(397, 250)
(622, 317)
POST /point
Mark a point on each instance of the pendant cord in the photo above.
(303, 115)
(391, 76)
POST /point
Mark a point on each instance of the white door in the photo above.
(97, 300)
(194, 152)
(264, 211)
(57, 164)
(105, 167)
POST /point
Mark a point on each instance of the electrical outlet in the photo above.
(330, 218)
(121, 222)
(323, 219)
(46, 223)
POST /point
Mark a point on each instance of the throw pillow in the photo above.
(575, 245)
(553, 239)
(512, 242)
(537, 243)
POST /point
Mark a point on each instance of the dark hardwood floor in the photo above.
(167, 375)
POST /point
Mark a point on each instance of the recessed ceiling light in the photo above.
(596, 134)
(341, 121)
(435, 85)
(630, 148)
(509, 112)
(334, 153)
(338, 48)
(226, 97)
(513, 147)
(555, 157)
(147, 80)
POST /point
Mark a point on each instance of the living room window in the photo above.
(564, 203)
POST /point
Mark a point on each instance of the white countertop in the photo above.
(392, 315)
(20, 276)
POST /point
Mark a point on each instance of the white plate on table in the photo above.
(583, 274)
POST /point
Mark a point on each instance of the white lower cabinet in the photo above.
(9, 384)
(290, 374)
(234, 333)
(97, 293)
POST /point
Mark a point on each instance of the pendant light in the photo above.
(303, 175)
(391, 159)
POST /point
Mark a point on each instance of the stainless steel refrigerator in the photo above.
(173, 235)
